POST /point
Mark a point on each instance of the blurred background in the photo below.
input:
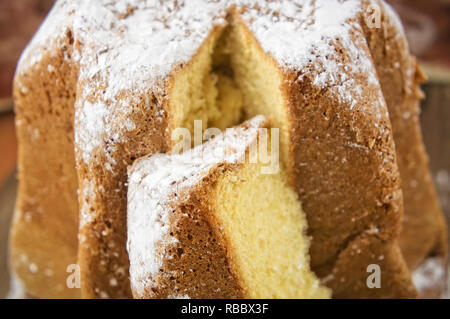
(427, 25)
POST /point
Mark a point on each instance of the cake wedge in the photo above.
(215, 222)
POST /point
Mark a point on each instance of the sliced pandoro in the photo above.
(214, 222)
(92, 95)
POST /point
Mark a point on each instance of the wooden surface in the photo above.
(436, 131)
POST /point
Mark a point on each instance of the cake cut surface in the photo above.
(256, 244)
(106, 82)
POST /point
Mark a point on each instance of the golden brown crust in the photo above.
(44, 233)
(346, 191)
(345, 173)
(352, 275)
(424, 231)
(200, 264)
(193, 258)
(102, 253)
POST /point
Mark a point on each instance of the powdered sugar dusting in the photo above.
(133, 45)
(306, 35)
(430, 275)
(16, 288)
(153, 181)
(295, 32)
(92, 122)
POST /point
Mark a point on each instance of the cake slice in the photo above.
(215, 222)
